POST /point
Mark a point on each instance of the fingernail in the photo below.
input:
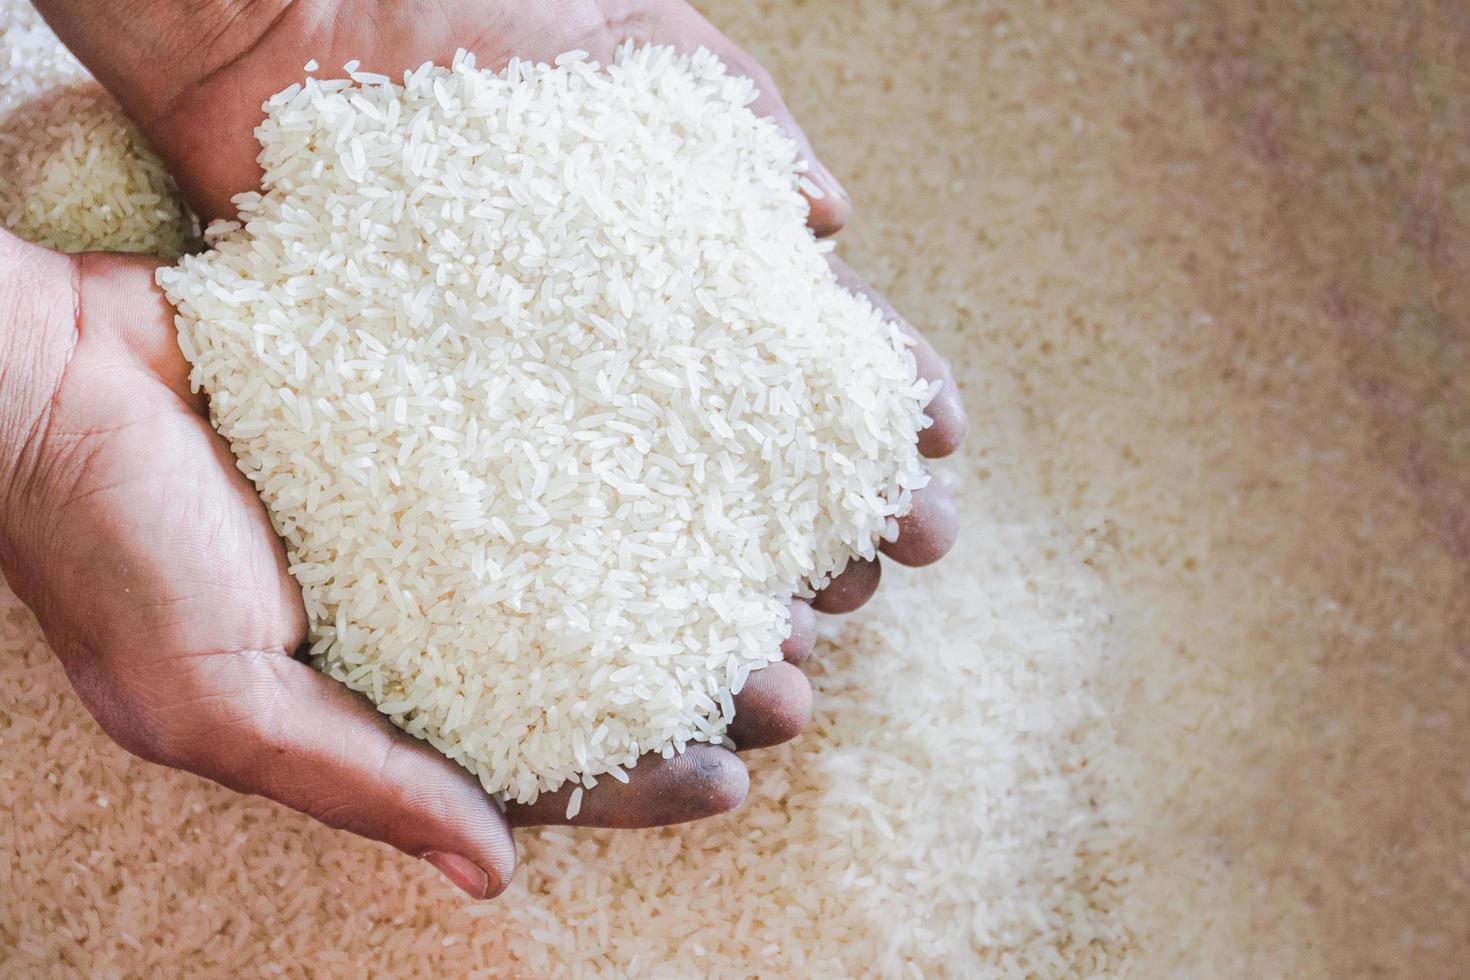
(830, 183)
(465, 874)
(951, 423)
(948, 402)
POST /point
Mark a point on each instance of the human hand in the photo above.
(161, 585)
(199, 103)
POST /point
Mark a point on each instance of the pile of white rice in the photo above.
(553, 396)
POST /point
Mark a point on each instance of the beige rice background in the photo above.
(1203, 270)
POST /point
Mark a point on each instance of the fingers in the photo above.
(705, 780)
(854, 586)
(947, 410)
(702, 781)
(263, 723)
(831, 208)
(928, 531)
(925, 535)
(797, 647)
(774, 707)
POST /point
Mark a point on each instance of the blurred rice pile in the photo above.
(1201, 269)
(56, 127)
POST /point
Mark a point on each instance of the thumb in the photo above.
(262, 723)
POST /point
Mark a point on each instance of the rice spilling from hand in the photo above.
(553, 396)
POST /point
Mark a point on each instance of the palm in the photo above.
(146, 514)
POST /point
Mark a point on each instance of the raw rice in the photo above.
(553, 396)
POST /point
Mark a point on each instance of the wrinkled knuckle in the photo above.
(418, 802)
(341, 813)
(224, 719)
(392, 810)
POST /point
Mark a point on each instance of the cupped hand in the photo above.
(159, 581)
(147, 556)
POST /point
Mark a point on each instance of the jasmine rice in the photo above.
(552, 395)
